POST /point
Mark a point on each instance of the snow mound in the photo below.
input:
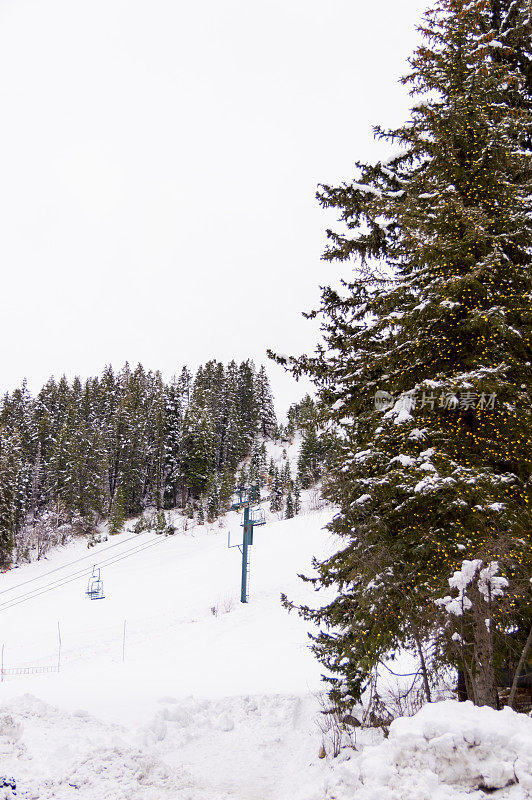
(66, 755)
(447, 751)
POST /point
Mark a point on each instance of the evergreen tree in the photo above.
(12, 493)
(198, 451)
(201, 512)
(184, 385)
(289, 508)
(227, 487)
(297, 498)
(276, 496)
(248, 406)
(266, 411)
(302, 415)
(257, 472)
(310, 464)
(263, 458)
(117, 516)
(431, 356)
(213, 500)
(242, 479)
(173, 420)
(286, 476)
(230, 444)
(155, 447)
(135, 437)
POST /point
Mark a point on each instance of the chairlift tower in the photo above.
(244, 498)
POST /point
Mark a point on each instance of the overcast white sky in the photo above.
(158, 169)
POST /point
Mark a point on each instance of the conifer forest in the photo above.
(110, 447)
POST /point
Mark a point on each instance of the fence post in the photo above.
(59, 652)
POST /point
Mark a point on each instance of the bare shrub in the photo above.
(223, 605)
(228, 603)
(337, 728)
(316, 501)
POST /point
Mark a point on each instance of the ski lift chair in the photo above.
(237, 499)
(256, 517)
(95, 585)
(245, 496)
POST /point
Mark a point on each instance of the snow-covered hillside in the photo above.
(193, 654)
(210, 699)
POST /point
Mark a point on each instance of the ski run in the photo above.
(170, 687)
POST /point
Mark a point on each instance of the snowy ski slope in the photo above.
(175, 647)
(165, 588)
(211, 706)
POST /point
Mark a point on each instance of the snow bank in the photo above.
(448, 751)
(61, 755)
(192, 749)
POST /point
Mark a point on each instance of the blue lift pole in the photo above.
(243, 500)
(247, 539)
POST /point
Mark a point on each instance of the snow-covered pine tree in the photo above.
(227, 487)
(200, 516)
(155, 475)
(311, 459)
(61, 464)
(173, 420)
(198, 451)
(12, 492)
(440, 329)
(297, 497)
(118, 514)
(286, 476)
(130, 422)
(266, 410)
(213, 499)
(214, 377)
(83, 492)
(302, 415)
(289, 507)
(184, 384)
(242, 478)
(277, 494)
(42, 420)
(230, 445)
(248, 406)
(254, 464)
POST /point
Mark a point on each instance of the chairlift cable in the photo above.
(71, 563)
(35, 593)
(56, 583)
(61, 582)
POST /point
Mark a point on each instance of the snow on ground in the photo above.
(212, 706)
(448, 750)
(101, 711)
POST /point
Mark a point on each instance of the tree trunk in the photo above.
(520, 666)
(483, 669)
(461, 687)
(424, 670)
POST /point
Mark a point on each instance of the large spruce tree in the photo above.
(426, 364)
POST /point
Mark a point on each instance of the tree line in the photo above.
(118, 443)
